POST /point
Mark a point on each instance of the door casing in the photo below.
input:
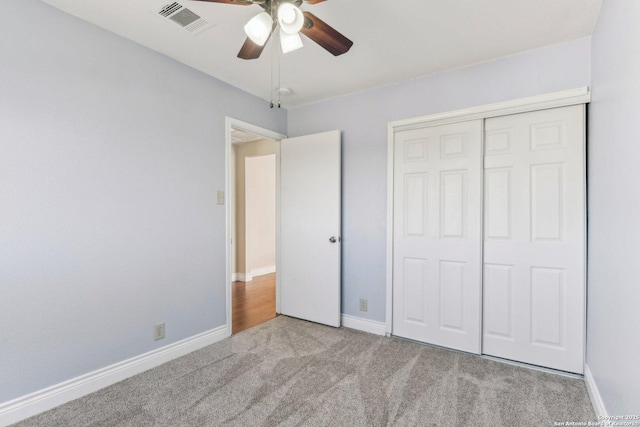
(231, 123)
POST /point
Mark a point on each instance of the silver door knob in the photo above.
(333, 239)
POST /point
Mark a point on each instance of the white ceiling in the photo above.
(394, 40)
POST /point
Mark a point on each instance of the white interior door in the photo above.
(437, 235)
(534, 249)
(310, 226)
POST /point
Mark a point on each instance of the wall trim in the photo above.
(42, 400)
(533, 103)
(522, 105)
(247, 277)
(263, 270)
(241, 277)
(594, 394)
(361, 324)
(390, 219)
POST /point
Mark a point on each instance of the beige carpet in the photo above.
(288, 372)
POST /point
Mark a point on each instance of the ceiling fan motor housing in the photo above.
(269, 4)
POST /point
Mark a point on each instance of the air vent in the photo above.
(185, 18)
(169, 9)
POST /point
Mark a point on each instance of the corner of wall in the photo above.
(594, 394)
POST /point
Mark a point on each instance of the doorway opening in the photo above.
(252, 225)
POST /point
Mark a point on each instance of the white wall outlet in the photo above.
(221, 197)
(363, 304)
(158, 331)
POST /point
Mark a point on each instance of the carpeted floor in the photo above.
(288, 372)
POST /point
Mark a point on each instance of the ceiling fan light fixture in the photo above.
(258, 28)
(290, 42)
(290, 18)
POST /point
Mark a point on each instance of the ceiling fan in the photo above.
(292, 21)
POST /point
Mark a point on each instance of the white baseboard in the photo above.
(263, 270)
(365, 325)
(241, 277)
(247, 277)
(594, 393)
(56, 395)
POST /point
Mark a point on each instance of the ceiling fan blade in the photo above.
(250, 50)
(325, 35)
(236, 2)
(314, 1)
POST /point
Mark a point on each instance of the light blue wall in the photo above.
(110, 158)
(613, 339)
(363, 119)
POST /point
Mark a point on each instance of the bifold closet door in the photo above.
(534, 232)
(437, 235)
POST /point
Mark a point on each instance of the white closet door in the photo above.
(437, 235)
(534, 249)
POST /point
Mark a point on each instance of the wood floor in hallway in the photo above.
(253, 302)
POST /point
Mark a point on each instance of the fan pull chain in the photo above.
(271, 79)
(279, 73)
(274, 61)
(271, 83)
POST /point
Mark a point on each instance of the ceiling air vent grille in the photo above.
(169, 9)
(186, 18)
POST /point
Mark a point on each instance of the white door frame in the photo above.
(534, 103)
(231, 123)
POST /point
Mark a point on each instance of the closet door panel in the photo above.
(534, 238)
(437, 235)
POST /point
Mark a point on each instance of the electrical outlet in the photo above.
(158, 331)
(363, 304)
(221, 197)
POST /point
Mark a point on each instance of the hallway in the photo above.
(253, 302)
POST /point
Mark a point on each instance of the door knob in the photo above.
(333, 239)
